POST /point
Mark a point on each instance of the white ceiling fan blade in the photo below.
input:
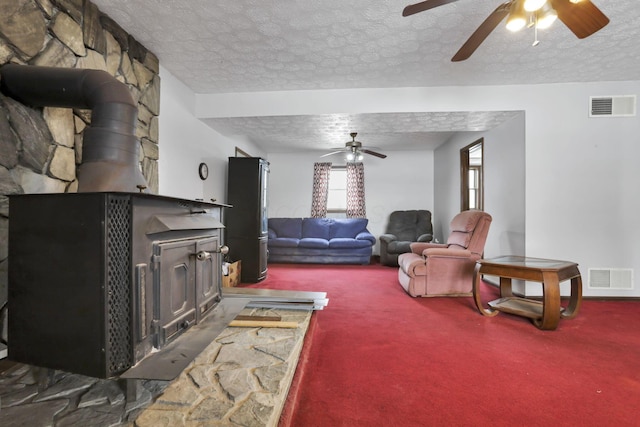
(332, 153)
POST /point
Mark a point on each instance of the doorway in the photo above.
(472, 176)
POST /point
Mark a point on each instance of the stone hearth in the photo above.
(241, 379)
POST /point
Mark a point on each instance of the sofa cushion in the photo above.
(347, 242)
(316, 227)
(286, 227)
(348, 227)
(313, 242)
(284, 242)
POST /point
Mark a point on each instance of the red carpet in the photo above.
(378, 357)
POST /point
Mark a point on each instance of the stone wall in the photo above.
(41, 148)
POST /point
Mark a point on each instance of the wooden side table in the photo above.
(545, 314)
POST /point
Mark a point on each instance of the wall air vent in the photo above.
(610, 278)
(612, 106)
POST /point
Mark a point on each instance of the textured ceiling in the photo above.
(227, 46)
(386, 131)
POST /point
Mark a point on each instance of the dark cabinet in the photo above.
(246, 223)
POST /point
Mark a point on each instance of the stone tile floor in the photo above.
(241, 379)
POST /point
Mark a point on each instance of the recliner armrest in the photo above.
(419, 247)
(447, 253)
(388, 238)
(425, 237)
(366, 235)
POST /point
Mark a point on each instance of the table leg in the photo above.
(575, 300)
(505, 287)
(476, 294)
(551, 302)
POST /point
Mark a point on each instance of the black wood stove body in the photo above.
(99, 280)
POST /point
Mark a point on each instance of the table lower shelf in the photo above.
(520, 306)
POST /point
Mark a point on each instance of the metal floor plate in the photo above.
(275, 298)
(170, 361)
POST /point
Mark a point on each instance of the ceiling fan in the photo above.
(354, 150)
(582, 17)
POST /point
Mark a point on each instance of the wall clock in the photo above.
(203, 171)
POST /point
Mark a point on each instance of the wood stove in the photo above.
(99, 280)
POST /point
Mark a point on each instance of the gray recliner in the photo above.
(404, 228)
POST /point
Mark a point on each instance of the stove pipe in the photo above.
(110, 153)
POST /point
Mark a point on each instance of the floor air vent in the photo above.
(612, 106)
(610, 278)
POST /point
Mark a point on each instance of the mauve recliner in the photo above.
(434, 269)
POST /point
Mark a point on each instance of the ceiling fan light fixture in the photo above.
(533, 5)
(546, 16)
(517, 18)
(354, 156)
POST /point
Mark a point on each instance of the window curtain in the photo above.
(355, 191)
(321, 173)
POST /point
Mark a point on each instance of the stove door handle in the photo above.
(203, 255)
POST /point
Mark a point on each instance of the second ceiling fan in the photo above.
(582, 17)
(353, 150)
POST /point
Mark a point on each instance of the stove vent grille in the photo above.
(119, 356)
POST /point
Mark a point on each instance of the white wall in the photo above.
(185, 142)
(404, 180)
(504, 188)
(580, 173)
(504, 185)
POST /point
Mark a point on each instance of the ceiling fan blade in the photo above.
(332, 153)
(424, 5)
(582, 18)
(373, 153)
(482, 32)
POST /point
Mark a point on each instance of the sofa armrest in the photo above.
(271, 234)
(388, 238)
(425, 237)
(420, 247)
(365, 235)
(447, 253)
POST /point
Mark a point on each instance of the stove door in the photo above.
(186, 281)
(174, 308)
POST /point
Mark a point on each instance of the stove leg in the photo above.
(131, 388)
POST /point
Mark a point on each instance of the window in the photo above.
(471, 176)
(337, 193)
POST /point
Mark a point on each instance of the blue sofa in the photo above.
(320, 240)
